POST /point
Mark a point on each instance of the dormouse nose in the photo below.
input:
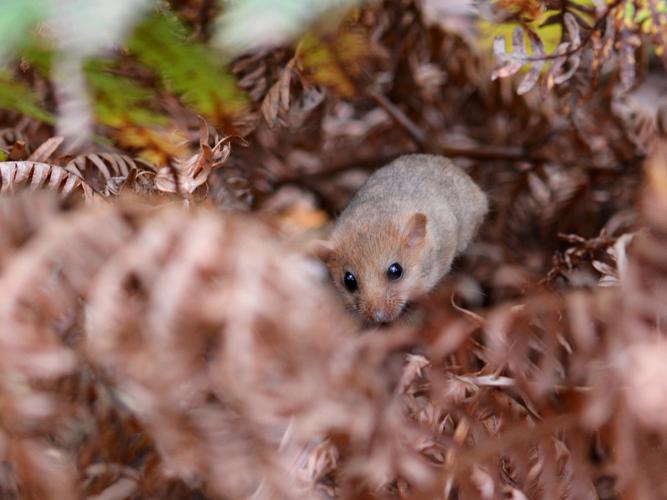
(380, 315)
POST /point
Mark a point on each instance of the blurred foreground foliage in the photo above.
(164, 332)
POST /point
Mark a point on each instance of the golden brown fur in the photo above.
(419, 211)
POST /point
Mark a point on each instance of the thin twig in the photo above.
(417, 134)
(421, 137)
(482, 153)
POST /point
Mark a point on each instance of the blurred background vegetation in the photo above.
(139, 57)
(538, 371)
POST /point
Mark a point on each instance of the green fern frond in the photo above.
(119, 101)
(189, 69)
(18, 97)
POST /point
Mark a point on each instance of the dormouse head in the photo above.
(378, 270)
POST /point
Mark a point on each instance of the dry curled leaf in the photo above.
(187, 175)
(533, 74)
(510, 63)
(278, 96)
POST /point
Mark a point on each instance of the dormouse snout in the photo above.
(380, 315)
(380, 311)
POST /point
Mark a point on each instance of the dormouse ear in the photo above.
(323, 250)
(415, 230)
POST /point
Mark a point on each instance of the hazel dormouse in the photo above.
(398, 236)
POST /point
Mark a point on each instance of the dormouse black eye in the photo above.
(350, 282)
(394, 271)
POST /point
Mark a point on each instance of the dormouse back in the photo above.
(429, 184)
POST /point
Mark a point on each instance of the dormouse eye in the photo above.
(394, 271)
(350, 282)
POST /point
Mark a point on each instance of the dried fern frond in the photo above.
(45, 150)
(205, 335)
(610, 34)
(21, 218)
(16, 175)
(205, 325)
(44, 282)
(107, 173)
(188, 175)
